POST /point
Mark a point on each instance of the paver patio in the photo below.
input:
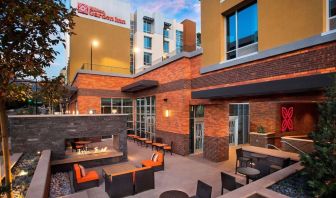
(181, 172)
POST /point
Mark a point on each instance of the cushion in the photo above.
(156, 157)
(90, 176)
(82, 170)
(153, 156)
(77, 172)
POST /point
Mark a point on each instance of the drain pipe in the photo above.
(294, 147)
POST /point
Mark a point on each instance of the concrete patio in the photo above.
(181, 173)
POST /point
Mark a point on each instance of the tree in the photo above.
(198, 39)
(28, 32)
(52, 91)
(320, 165)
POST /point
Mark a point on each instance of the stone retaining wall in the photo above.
(39, 185)
(42, 132)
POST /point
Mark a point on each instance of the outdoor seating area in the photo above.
(156, 143)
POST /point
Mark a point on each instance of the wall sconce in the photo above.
(114, 111)
(166, 99)
(167, 113)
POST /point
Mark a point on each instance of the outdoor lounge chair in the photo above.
(229, 182)
(203, 190)
(90, 180)
(157, 163)
(119, 185)
(168, 148)
(143, 179)
(242, 159)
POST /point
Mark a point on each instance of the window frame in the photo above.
(150, 42)
(329, 17)
(165, 42)
(151, 57)
(147, 24)
(235, 14)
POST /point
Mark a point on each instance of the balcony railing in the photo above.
(106, 68)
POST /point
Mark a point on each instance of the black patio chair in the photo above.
(229, 182)
(119, 185)
(242, 159)
(263, 166)
(144, 180)
(168, 148)
(203, 190)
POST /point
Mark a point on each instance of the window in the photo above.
(147, 58)
(332, 14)
(242, 32)
(145, 117)
(179, 41)
(148, 42)
(118, 106)
(147, 26)
(165, 33)
(165, 46)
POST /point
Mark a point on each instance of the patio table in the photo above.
(174, 194)
(142, 140)
(159, 145)
(118, 168)
(248, 172)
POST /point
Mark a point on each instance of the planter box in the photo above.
(39, 185)
(261, 139)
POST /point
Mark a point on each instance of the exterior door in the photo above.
(233, 130)
(198, 135)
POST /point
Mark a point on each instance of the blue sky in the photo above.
(173, 9)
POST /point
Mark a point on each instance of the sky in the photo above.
(171, 9)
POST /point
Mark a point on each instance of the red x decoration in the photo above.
(287, 118)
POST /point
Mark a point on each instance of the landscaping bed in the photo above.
(23, 172)
(60, 185)
(293, 186)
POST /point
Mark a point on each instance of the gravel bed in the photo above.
(60, 185)
(293, 186)
(23, 172)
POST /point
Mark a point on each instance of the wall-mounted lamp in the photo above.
(114, 111)
(167, 113)
(165, 99)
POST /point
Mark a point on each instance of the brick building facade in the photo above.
(289, 76)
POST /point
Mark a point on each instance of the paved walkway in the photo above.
(181, 172)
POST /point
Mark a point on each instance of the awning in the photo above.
(292, 85)
(140, 85)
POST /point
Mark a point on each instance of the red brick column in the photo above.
(216, 129)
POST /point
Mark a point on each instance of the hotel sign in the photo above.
(114, 12)
(96, 12)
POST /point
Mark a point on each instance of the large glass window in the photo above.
(147, 58)
(148, 42)
(239, 113)
(332, 14)
(242, 32)
(118, 106)
(147, 26)
(165, 46)
(145, 117)
(179, 41)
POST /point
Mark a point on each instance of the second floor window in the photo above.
(147, 42)
(147, 26)
(332, 14)
(165, 33)
(179, 41)
(242, 32)
(147, 58)
(165, 46)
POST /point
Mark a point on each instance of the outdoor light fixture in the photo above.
(167, 112)
(114, 111)
(136, 49)
(90, 111)
(94, 43)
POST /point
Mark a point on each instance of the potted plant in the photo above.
(261, 138)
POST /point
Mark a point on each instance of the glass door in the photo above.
(233, 130)
(145, 117)
(199, 135)
(240, 121)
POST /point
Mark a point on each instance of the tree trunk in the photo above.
(5, 147)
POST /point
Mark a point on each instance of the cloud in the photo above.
(172, 6)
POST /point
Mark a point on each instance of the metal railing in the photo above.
(294, 147)
(105, 68)
(271, 145)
